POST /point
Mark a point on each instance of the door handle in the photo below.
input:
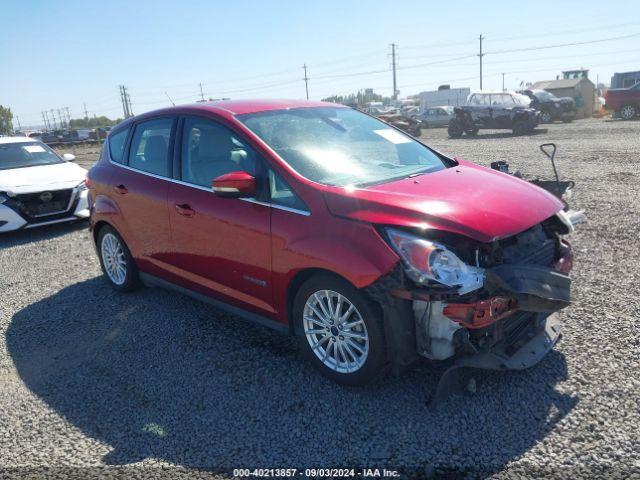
(185, 210)
(121, 189)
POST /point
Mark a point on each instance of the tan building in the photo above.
(582, 90)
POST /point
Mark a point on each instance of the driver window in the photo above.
(210, 150)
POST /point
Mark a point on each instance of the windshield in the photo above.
(26, 154)
(341, 146)
(544, 96)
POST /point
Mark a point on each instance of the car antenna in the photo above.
(172, 102)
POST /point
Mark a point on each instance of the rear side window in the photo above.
(116, 145)
(150, 146)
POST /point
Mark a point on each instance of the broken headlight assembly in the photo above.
(426, 261)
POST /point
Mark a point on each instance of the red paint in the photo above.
(248, 254)
(235, 184)
(617, 98)
(482, 313)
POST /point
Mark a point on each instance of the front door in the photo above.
(219, 246)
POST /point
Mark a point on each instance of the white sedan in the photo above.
(38, 186)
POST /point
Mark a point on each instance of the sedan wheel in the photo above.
(545, 117)
(628, 112)
(336, 331)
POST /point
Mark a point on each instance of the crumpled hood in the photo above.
(43, 177)
(468, 199)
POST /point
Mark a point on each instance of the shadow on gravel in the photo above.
(46, 232)
(156, 374)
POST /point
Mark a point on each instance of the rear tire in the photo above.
(340, 331)
(519, 128)
(628, 112)
(455, 130)
(116, 260)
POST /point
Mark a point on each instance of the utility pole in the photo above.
(306, 80)
(503, 81)
(44, 120)
(201, 92)
(60, 118)
(393, 66)
(126, 102)
(86, 114)
(18, 120)
(481, 55)
(53, 119)
(68, 117)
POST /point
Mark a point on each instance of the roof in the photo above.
(240, 107)
(17, 139)
(562, 83)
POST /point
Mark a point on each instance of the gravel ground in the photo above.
(156, 384)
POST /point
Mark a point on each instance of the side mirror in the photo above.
(234, 185)
(68, 157)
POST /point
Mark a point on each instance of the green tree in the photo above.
(6, 121)
(93, 122)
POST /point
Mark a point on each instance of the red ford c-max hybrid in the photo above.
(322, 221)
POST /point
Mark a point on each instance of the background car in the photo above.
(407, 124)
(436, 117)
(625, 102)
(493, 110)
(551, 108)
(38, 186)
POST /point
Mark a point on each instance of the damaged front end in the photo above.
(484, 305)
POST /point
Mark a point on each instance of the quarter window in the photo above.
(150, 146)
(210, 150)
(282, 194)
(116, 145)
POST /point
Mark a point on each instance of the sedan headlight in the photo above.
(3, 197)
(427, 261)
(81, 186)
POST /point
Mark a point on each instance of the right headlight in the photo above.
(426, 261)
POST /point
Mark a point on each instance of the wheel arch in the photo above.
(297, 281)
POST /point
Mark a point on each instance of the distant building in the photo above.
(625, 80)
(448, 96)
(577, 86)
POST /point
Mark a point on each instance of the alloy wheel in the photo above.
(628, 112)
(113, 259)
(545, 117)
(335, 331)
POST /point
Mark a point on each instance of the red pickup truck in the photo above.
(625, 102)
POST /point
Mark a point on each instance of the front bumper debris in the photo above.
(538, 343)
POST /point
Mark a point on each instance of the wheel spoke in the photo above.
(342, 347)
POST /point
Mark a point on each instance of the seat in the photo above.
(214, 156)
(155, 154)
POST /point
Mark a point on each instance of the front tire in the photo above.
(340, 332)
(455, 130)
(116, 260)
(545, 117)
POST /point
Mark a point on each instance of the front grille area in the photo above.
(45, 203)
(532, 247)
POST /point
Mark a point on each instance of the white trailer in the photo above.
(452, 96)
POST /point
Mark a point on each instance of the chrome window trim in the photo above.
(200, 187)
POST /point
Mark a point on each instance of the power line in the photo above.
(558, 45)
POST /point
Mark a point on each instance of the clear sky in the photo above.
(63, 53)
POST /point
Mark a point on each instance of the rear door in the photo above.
(219, 246)
(139, 188)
